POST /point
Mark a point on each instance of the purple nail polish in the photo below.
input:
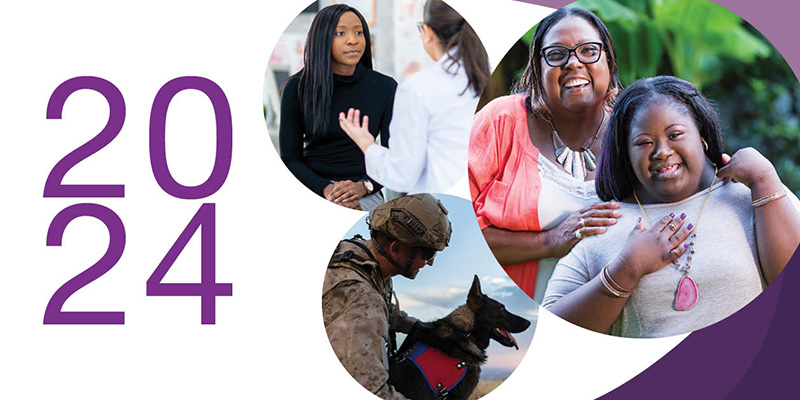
(690, 227)
(683, 215)
(686, 246)
(672, 215)
(638, 220)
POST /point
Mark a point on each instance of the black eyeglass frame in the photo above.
(571, 51)
(419, 26)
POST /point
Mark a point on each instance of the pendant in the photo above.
(687, 295)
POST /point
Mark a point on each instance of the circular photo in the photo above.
(415, 305)
(634, 165)
(374, 99)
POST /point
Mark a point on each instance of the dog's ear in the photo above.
(475, 297)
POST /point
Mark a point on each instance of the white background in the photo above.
(274, 237)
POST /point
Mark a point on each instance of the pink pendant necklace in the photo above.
(687, 295)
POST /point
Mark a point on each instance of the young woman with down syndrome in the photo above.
(707, 237)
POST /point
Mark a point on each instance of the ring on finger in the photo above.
(673, 227)
(582, 221)
(578, 234)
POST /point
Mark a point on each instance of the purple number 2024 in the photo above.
(204, 219)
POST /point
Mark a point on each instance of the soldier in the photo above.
(360, 318)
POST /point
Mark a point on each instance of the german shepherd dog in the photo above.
(463, 335)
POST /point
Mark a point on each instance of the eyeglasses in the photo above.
(419, 26)
(558, 56)
(427, 254)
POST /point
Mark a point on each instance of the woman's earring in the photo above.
(705, 145)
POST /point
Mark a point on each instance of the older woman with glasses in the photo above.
(533, 155)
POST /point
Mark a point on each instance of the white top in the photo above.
(430, 132)
(561, 195)
(725, 265)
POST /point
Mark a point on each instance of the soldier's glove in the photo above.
(422, 328)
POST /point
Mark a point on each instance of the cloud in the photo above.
(502, 294)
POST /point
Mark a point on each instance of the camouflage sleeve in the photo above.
(358, 334)
(401, 322)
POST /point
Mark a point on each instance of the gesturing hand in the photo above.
(591, 220)
(358, 132)
(649, 250)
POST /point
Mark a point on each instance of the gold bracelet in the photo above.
(766, 199)
(608, 286)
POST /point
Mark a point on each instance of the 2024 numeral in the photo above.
(204, 220)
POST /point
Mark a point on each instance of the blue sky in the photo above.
(440, 288)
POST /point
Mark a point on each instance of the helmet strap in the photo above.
(403, 270)
(386, 255)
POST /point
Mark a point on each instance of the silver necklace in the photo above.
(577, 163)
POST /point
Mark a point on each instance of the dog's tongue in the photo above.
(508, 336)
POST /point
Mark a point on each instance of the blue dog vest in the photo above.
(441, 371)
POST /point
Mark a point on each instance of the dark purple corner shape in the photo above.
(753, 354)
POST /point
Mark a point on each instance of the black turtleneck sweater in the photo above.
(316, 160)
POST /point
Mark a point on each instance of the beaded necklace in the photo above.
(687, 294)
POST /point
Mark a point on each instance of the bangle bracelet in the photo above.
(766, 199)
(613, 282)
(621, 294)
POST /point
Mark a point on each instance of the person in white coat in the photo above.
(433, 110)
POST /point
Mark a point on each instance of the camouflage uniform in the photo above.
(357, 317)
(356, 297)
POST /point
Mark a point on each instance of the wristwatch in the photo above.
(368, 186)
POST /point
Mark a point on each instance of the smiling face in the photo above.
(575, 86)
(666, 153)
(348, 44)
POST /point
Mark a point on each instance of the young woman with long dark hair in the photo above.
(432, 111)
(336, 76)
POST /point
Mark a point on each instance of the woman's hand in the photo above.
(358, 132)
(749, 167)
(589, 221)
(649, 250)
(346, 192)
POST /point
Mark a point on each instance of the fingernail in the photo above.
(686, 246)
(672, 215)
(683, 216)
(638, 220)
(690, 227)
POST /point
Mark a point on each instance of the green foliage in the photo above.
(755, 91)
(753, 88)
(685, 38)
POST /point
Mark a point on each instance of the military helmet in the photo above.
(416, 220)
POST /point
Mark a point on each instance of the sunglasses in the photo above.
(427, 254)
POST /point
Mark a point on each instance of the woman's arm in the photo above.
(510, 247)
(400, 166)
(593, 305)
(777, 222)
(290, 141)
